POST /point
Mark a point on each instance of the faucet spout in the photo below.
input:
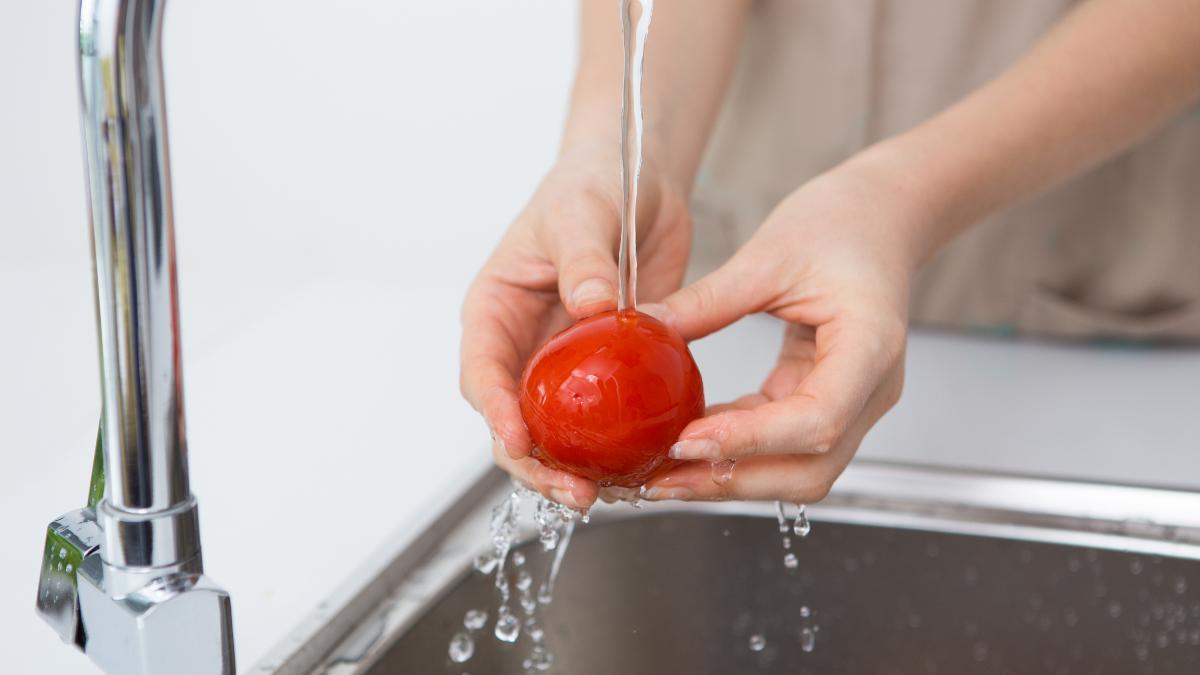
(141, 601)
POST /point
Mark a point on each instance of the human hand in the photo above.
(557, 264)
(834, 260)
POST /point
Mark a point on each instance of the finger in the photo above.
(501, 324)
(489, 364)
(737, 288)
(746, 402)
(852, 360)
(583, 252)
(559, 486)
(799, 479)
(795, 362)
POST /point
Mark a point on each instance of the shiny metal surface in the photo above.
(687, 592)
(70, 540)
(128, 178)
(139, 598)
(891, 511)
(177, 623)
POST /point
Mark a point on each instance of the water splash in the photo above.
(475, 619)
(462, 648)
(801, 527)
(722, 471)
(554, 524)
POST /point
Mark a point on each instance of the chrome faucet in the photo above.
(123, 578)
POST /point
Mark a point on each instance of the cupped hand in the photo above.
(834, 261)
(557, 264)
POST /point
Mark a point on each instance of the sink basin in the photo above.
(685, 593)
(906, 571)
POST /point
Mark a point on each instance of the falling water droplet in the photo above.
(475, 619)
(781, 517)
(544, 595)
(508, 627)
(1181, 585)
(518, 558)
(462, 648)
(802, 526)
(540, 659)
(757, 642)
(524, 580)
(790, 561)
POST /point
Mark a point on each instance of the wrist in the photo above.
(924, 204)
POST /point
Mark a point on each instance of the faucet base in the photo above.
(178, 621)
(70, 540)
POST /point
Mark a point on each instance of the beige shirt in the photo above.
(1112, 254)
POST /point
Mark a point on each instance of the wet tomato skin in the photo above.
(606, 398)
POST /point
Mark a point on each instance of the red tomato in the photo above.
(607, 397)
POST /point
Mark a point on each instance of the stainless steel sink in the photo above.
(907, 570)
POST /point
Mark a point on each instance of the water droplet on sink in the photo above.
(808, 639)
(62, 552)
(508, 627)
(757, 642)
(475, 619)
(485, 563)
(462, 647)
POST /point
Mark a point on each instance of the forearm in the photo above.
(1103, 78)
(690, 54)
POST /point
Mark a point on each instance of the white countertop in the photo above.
(334, 195)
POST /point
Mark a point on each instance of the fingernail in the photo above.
(655, 494)
(722, 471)
(591, 292)
(696, 448)
(563, 497)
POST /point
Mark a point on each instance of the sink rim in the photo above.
(347, 632)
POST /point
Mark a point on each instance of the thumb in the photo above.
(584, 256)
(714, 301)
